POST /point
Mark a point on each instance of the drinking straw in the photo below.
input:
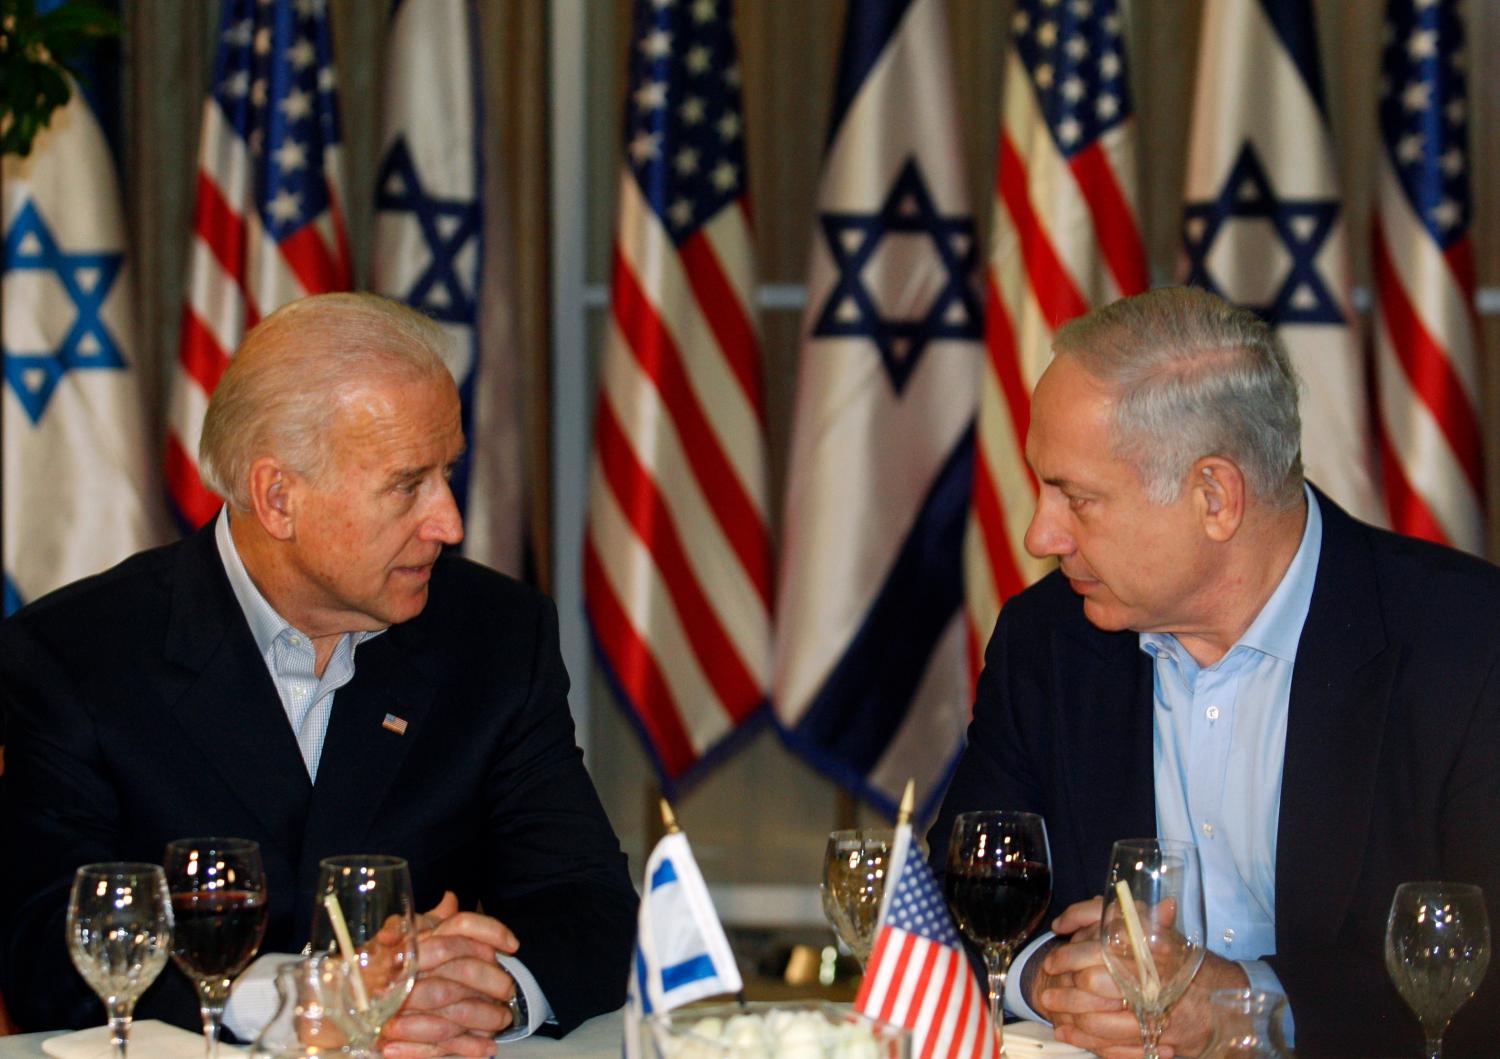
(1145, 965)
(346, 946)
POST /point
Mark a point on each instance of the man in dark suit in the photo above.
(1225, 657)
(311, 671)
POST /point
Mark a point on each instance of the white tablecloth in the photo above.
(599, 1038)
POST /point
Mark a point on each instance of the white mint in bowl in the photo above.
(761, 1030)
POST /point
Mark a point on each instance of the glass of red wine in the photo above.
(998, 884)
(218, 892)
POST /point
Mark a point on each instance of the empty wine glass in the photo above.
(1437, 948)
(1152, 929)
(119, 934)
(999, 883)
(365, 911)
(855, 864)
(219, 905)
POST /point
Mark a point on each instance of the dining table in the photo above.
(598, 1038)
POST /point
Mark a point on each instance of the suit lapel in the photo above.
(228, 705)
(361, 755)
(1106, 719)
(1341, 687)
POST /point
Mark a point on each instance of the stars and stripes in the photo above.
(79, 494)
(919, 976)
(1426, 336)
(1066, 240)
(677, 568)
(268, 226)
(871, 680)
(436, 249)
(1263, 223)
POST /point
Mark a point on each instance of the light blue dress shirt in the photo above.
(1219, 741)
(1218, 744)
(308, 700)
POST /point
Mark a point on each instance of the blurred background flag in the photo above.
(1263, 223)
(79, 491)
(919, 975)
(268, 226)
(681, 953)
(677, 560)
(434, 251)
(1066, 240)
(871, 676)
(1426, 334)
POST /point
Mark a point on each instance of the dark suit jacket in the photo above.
(140, 711)
(1391, 770)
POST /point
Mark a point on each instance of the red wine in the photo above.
(1003, 909)
(217, 933)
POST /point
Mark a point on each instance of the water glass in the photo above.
(1437, 948)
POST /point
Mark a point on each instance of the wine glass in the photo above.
(998, 883)
(855, 865)
(1437, 948)
(1153, 927)
(364, 916)
(119, 933)
(219, 903)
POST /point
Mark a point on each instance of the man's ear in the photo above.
(1218, 491)
(273, 497)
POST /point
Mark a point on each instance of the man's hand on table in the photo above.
(1077, 993)
(461, 999)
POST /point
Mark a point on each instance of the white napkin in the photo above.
(150, 1039)
(1034, 1040)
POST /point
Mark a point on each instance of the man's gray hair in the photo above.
(1194, 376)
(281, 390)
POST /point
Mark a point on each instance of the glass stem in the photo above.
(1434, 1046)
(119, 1028)
(211, 997)
(997, 964)
(1152, 1024)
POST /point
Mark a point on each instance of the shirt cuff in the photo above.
(252, 999)
(1263, 978)
(1015, 1001)
(538, 1011)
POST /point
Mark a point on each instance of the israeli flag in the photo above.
(681, 953)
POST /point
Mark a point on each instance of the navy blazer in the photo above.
(140, 711)
(1391, 770)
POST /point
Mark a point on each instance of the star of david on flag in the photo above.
(79, 494)
(1263, 224)
(439, 249)
(918, 975)
(871, 680)
(852, 308)
(681, 953)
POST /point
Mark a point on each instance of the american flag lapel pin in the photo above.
(392, 723)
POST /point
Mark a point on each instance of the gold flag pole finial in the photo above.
(908, 802)
(669, 818)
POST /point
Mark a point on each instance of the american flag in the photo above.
(919, 976)
(677, 566)
(268, 227)
(1066, 241)
(1426, 336)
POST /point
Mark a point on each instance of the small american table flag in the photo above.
(918, 975)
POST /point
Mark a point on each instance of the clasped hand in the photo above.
(462, 995)
(1076, 992)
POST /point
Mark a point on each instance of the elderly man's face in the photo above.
(369, 529)
(1137, 565)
